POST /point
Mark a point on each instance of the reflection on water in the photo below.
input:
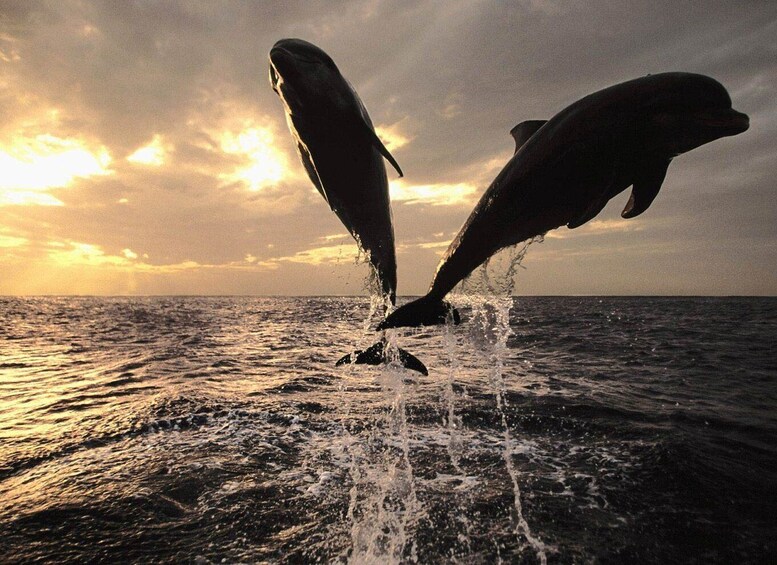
(210, 429)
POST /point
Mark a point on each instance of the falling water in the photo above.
(454, 425)
(382, 504)
(488, 292)
(384, 508)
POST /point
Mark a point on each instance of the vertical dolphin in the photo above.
(564, 171)
(343, 157)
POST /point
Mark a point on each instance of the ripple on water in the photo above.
(217, 429)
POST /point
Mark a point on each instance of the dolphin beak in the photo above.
(279, 56)
(739, 122)
(725, 123)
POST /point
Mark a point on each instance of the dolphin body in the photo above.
(565, 170)
(343, 157)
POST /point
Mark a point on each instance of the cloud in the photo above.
(7, 241)
(153, 153)
(177, 148)
(264, 164)
(434, 194)
(596, 227)
(32, 166)
(322, 255)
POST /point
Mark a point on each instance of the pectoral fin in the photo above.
(646, 186)
(311, 170)
(378, 144)
(523, 131)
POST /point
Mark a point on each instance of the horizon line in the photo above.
(367, 296)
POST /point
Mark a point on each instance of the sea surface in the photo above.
(218, 430)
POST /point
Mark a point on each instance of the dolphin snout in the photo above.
(739, 122)
(723, 122)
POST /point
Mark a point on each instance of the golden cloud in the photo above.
(597, 227)
(34, 165)
(321, 255)
(434, 194)
(256, 145)
(73, 253)
(154, 153)
(8, 241)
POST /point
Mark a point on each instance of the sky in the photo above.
(142, 150)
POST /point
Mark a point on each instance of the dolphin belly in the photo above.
(358, 195)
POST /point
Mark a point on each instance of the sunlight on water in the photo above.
(214, 430)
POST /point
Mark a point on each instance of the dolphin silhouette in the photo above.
(565, 170)
(343, 157)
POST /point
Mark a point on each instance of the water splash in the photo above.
(488, 292)
(384, 510)
(452, 421)
(454, 425)
(383, 504)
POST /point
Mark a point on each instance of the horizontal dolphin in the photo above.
(343, 157)
(565, 170)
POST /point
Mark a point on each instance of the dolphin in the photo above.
(343, 157)
(566, 169)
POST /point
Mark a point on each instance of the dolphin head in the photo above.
(687, 110)
(302, 73)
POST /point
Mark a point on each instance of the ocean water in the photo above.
(558, 430)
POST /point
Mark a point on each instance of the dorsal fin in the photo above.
(523, 131)
(378, 144)
(646, 187)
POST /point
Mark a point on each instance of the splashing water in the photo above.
(384, 508)
(488, 292)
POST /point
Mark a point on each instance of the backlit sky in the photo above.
(142, 150)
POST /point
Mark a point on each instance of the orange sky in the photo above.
(142, 150)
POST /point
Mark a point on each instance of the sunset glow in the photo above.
(434, 194)
(32, 166)
(325, 254)
(144, 151)
(265, 165)
(392, 136)
(152, 154)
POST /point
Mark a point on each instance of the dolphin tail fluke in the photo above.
(410, 361)
(425, 311)
(376, 355)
